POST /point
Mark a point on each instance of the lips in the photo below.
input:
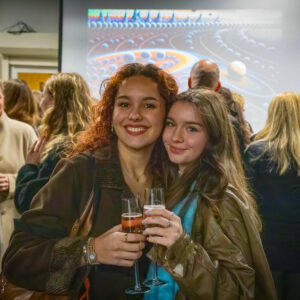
(135, 130)
(176, 150)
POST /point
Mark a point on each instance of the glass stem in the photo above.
(137, 286)
(155, 264)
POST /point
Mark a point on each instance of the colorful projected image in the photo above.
(244, 43)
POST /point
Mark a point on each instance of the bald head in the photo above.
(205, 74)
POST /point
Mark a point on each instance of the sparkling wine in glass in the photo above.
(154, 199)
(131, 219)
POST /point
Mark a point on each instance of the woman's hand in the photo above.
(4, 182)
(118, 248)
(169, 227)
(34, 155)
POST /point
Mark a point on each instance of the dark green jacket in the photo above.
(31, 178)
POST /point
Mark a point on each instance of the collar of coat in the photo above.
(109, 173)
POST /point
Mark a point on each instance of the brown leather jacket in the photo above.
(220, 261)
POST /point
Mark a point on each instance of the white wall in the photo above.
(35, 52)
(42, 15)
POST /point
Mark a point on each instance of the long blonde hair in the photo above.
(70, 113)
(219, 165)
(282, 131)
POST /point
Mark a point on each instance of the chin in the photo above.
(176, 160)
(139, 146)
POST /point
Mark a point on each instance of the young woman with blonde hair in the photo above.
(273, 169)
(208, 237)
(69, 105)
(19, 102)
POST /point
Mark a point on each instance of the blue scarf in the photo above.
(168, 291)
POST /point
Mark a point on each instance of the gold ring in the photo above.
(126, 237)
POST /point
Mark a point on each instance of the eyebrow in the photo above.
(187, 123)
(144, 99)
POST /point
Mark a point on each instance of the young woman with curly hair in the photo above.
(125, 145)
(208, 237)
(69, 111)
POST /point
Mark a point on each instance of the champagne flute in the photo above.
(154, 199)
(132, 218)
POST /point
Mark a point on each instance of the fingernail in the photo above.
(143, 221)
(146, 212)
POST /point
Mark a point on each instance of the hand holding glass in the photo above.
(132, 223)
(154, 199)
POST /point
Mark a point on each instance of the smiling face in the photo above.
(139, 113)
(185, 136)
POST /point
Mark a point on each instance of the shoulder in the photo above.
(236, 206)
(80, 161)
(20, 127)
(237, 219)
(256, 148)
(257, 155)
(21, 132)
(233, 201)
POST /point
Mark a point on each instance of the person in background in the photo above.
(205, 74)
(241, 101)
(209, 242)
(37, 95)
(19, 102)
(16, 139)
(273, 171)
(236, 117)
(126, 147)
(69, 113)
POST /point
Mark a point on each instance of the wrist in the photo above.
(89, 252)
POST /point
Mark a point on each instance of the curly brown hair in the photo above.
(99, 135)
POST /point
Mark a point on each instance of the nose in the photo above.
(177, 136)
(135, 114)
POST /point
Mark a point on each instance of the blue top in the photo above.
(168, 291)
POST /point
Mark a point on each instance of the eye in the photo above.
(150, 105)
(169, 124)
(123, 104)
(192, 129)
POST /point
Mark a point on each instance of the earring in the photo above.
(112, 129)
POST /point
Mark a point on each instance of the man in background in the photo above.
(205, 74)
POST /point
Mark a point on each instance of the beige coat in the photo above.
(16, 139)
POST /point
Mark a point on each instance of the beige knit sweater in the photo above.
(16, 139)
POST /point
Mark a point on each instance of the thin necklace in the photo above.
(180, 172)
(136, 178)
